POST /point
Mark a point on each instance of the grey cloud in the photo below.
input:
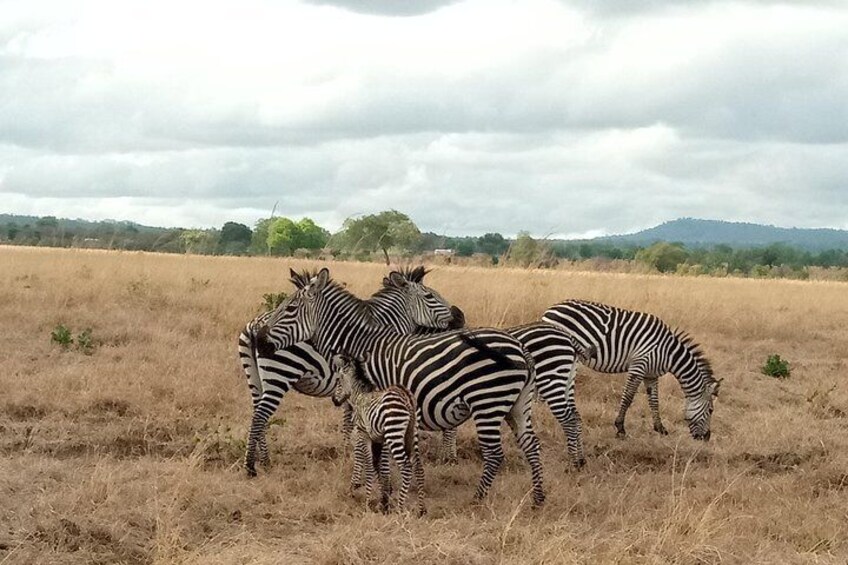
(387, 7)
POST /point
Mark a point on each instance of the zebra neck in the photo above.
(687, 371)
(346, 324)
(389, 308)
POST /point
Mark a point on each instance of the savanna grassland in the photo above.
(128, 451)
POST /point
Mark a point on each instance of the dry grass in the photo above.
(131, 454)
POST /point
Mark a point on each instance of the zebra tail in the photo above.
(482, 347)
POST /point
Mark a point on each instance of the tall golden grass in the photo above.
(131, 454)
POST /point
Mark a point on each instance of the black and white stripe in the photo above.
(554, 354)
(481, 374)
(643, 346)
(403, 304)
(386, 418)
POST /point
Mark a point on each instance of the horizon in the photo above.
(457, 235)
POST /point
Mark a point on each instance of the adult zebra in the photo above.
(482, 374)
(644, 347)
(403, 304)
(554, 355)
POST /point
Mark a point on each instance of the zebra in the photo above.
(403, 303)
(482, 374)
(644, 347)
(381, 417)
(554, 354)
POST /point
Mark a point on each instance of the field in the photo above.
(129, 451)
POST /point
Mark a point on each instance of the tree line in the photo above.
(392, 233)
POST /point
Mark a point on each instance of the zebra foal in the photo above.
(645, 348)
(386, 418)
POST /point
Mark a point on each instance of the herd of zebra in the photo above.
(404, 356)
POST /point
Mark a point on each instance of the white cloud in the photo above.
(471, 116)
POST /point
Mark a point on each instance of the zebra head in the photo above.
(700, 411)
(424, 305)
(296, 318)
(699, 403)
(350, 378)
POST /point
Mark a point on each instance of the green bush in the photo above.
(776, 367)
(273, 299)
(62, 335)
(85, 342)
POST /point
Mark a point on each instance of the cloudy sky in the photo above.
(559, 117)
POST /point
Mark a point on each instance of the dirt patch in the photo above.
(24, 412)
(774, 463)
(109, 407)
(64, 534)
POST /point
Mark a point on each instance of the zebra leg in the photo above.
(362, 473)
(262, 412)
(651, 389)
(347, 423)
(404, 463)
(447, 450)
(521, 423)
(491, 448)
(558, 394)
(419, 475)
(633, 382)
(382, 470)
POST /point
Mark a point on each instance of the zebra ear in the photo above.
(397, 279)
(322, 279)
(714, 388)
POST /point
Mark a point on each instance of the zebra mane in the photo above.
(695, 349)
(303, 278)
(412, 274)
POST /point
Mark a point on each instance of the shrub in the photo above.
(776, 367)
(85, 342)
(273, 299)
(62, 335)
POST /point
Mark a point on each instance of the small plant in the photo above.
(62, 335)
(776, 367)
(273, 299)
(85, 342)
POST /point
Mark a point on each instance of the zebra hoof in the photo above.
(579, 463)
(538, 502)
(660, 429)
(251, 472)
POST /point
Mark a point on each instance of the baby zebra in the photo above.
(381, 417)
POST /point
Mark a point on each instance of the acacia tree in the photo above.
(387, 230)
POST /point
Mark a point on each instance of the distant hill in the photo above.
(697, 233)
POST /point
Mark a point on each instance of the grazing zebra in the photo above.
(402, 304)
(381, 417)
(482, 374)
(645, 348)
(554, 354)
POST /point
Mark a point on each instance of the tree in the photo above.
(384, 231)
(465, 247)
(524, 250)
(312, 236)
(235, 238)
(662, 256)
(283, 236)
(199, 241)
(259, 241)
(492, 243)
